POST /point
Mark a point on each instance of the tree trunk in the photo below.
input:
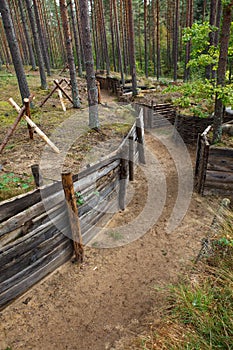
(89, 63)
(132, 49)
(42, 38)
(14, 49)
(189, 23)
(158, 39)
(37, 45)
(118, 42)
(27, 36)
(112, 36)
(76, 37)
(145, 38)
(69, 51)
(176, 38)
(221, 73)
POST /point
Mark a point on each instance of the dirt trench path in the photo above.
(106, 301)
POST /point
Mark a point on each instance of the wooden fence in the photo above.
(214, 167)
(34, 240)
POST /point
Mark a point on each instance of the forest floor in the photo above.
(117, 294)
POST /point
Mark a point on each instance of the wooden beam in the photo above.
(63, 91)
(72, 210)
(35, 127)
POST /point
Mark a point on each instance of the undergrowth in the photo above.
(200, 313)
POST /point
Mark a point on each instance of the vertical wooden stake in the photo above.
(140, 137)
(72, 210)
(36, 174)
(123, 180)
(131, 158)
(99, 92)
(28, 114)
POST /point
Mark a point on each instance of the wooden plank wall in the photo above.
(214, 168)
(34, 241)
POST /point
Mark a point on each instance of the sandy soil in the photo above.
(101, 304)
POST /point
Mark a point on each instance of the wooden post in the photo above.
(72, 210)
(131, 158)
(140, 137)
(99, 92)
(36, 174)
(123, 180)
(28, 113)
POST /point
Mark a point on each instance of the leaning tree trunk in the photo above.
(132, 49)
(69, 51)
(37, 45)
(89, 63)
(221, 73)
(14, 49)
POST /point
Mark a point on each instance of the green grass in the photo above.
(12, 184)
(200, 315)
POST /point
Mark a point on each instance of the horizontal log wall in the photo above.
(214, 168)
(34, 240)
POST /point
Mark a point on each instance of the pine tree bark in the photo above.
(119, 51)
(188, 24)
(69, 51)
(89, 63)
(14, 49)
(132, 48)
(37, 45)
(221, 73)
(145, 38)
(176, 38)
(42, 38)
(76, 37)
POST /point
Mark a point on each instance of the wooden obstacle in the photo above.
(214, 167)
(35, 240)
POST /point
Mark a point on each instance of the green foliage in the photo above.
(79, 198)
(202, 54)
(9, 180)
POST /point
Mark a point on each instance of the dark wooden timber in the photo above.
(72, 210)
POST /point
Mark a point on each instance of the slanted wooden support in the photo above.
(123, 179)
(61, 98)
(131, 158)
(28, 113)
(63, 91)
(49, 95)
(13, 127)
(72, 210)
(35, 127)
(140, 137)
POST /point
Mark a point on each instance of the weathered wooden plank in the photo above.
(29, 241)
(220, 164)
(22, 261)
(17, 204)
(50, 263)
(219, 185)
(221, 152)
(219, 176)
(21, 218)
